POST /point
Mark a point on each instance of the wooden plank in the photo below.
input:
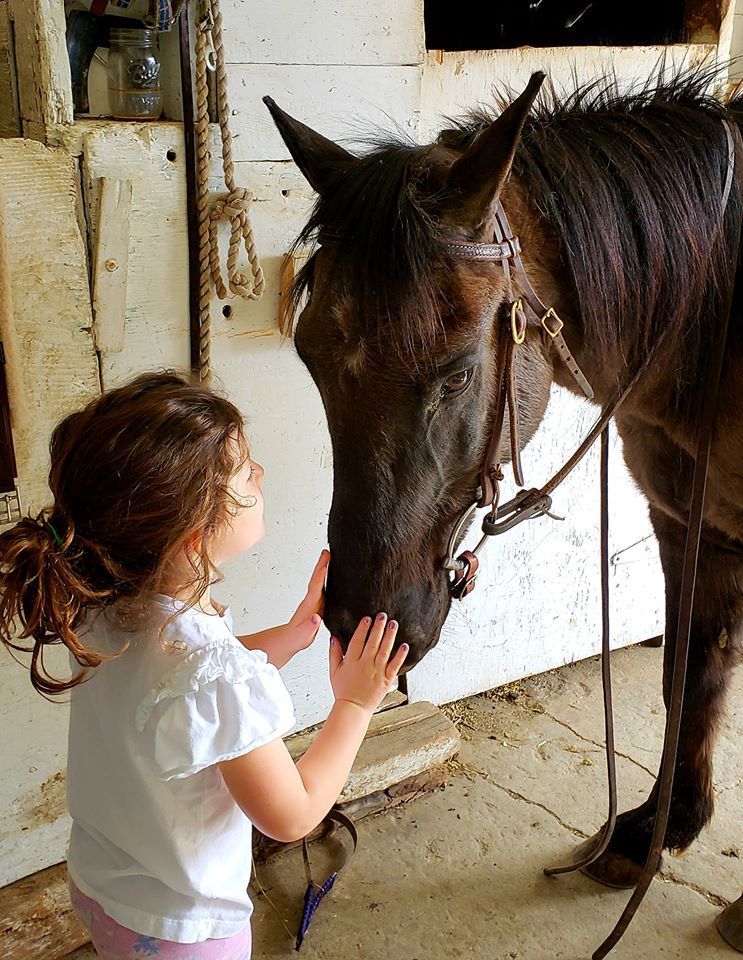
(730, 45)
(291, 264)
(46, 318)
(37, 920)
(45, 324)
(10, 121)
(339, 101)
(455, 82)
(395, 698)
(44, 83)
(386, 32)
(401, 743)
(111, 263)
(151, 157)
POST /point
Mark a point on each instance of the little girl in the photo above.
(176, 724)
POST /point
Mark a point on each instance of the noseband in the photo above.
(525, 311)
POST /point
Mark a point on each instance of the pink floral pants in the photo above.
(114, 942)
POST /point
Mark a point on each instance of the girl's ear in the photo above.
(185, 559)
(194, 543)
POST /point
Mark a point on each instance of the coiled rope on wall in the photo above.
(234, 208)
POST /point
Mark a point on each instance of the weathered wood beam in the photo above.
(10, 120)
(36, 918)
(43, 68)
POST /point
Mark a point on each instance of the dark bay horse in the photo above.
(616, 199)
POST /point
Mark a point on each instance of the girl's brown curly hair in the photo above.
(134, 475)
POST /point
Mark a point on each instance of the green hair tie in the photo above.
(54, 533)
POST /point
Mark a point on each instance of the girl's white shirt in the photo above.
(157, 839)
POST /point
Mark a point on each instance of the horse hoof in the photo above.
(730, 925)
(612, 869)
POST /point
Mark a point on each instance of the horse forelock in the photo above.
(377, 224)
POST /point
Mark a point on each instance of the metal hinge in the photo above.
(11, 508)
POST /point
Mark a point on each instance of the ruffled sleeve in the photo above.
(220, 702)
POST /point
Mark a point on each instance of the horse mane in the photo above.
(631, 181)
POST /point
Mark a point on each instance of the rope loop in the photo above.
(235, 207)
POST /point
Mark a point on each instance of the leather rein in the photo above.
(528, 309)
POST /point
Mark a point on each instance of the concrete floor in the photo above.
(458, 873)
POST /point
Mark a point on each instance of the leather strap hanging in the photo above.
(611, 761)
(315, 893)
(9, 494)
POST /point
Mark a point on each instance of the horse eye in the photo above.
(456, 383)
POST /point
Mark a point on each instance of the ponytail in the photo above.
(134, 475)
(41, 592)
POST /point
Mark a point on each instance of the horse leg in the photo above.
(716, 617)
(730, 924)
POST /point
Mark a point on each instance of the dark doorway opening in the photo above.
(474, 25)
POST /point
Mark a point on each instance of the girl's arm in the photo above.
(287, 800)
(281, 643)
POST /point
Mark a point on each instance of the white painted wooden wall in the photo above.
(340, 68)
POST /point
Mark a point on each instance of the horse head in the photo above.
(401, 340)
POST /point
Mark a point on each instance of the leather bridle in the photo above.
(525, 310)
(528, 308)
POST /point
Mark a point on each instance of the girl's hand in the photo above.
(306, 620)
(282, 643)
(366, 672)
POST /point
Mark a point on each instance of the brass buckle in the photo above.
(518, 335)
(551, 313)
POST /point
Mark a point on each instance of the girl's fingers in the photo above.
(385, 647)
(314, 600)
(321, 569)
(356, 646)
(312, 625)
(393, 667)
(375, 636)
(317, 580)
(335, 656)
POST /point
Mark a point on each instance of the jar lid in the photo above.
(132, 35)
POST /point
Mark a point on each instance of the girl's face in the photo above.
(246, 525)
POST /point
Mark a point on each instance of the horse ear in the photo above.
(315, 155)
(476, 179)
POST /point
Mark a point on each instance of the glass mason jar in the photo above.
(134, 74)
